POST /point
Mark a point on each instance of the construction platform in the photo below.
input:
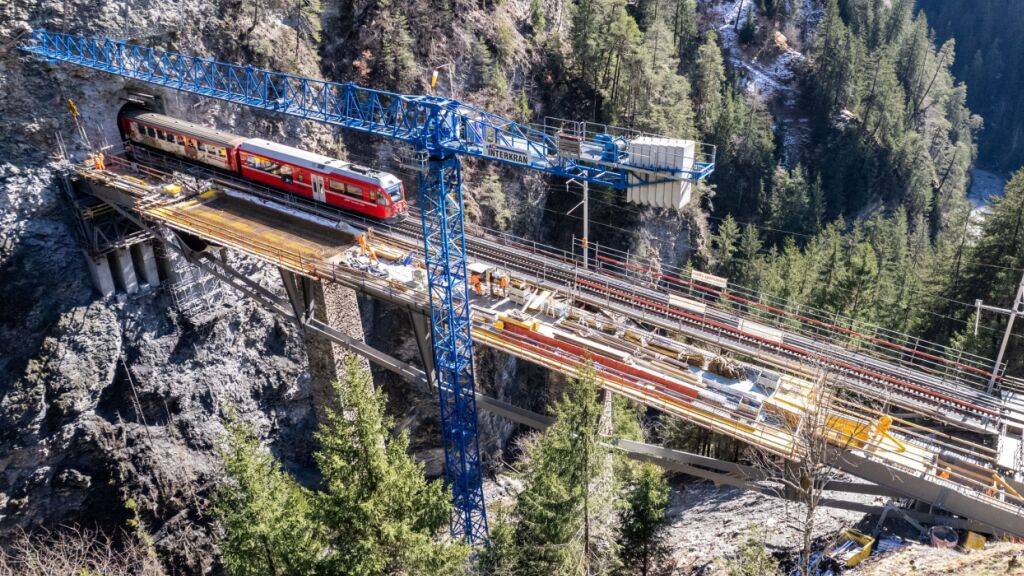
(533, 313)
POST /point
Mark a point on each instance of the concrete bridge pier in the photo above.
(99, 271)
(124, 270)
(424, 341)
(337, 307)
(144, 259)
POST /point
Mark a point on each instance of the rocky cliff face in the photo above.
(105, 400)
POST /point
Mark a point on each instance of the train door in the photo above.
(318, 187)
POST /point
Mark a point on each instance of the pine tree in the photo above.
(747, 256)
(268, 520)
(749, 29)
(725, 244)
(642, 538)
(684, 26)
(584, 36)
(991, 272)
(538, 21)
(396, 45)
(709, 81)
(753, 559)
(381, 515)
(859, 280)
(554, 529)
(641, 532)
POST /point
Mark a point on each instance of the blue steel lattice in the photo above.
(444, 246)
(432, 123)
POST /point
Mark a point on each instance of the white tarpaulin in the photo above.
(660, 153)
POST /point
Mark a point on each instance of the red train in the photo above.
(320, 178)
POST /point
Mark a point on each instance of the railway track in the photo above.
(959, 406)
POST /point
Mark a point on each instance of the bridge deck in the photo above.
(637, 369)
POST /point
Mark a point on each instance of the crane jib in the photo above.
(432, 123)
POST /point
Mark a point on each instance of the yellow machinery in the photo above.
(852, 548)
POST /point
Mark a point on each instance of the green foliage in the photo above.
(683, 22)
(883, 271)
(376, 514)
(538, 21)
(746, 146)
(630, 70)
(748, 30)
(793, 205)
(267, 517)
(724, 244)
(398, 63)
(890, 124)
(555, 528)
(709, 84)
(753, 559)
(641, 535)
(381, 516)
(140, 530)
(990, 52)
(504, 43)
(489, 69)
(989, 269)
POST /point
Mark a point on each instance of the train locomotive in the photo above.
(307, 174)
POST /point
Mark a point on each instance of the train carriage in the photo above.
(320, 178)
(181, 138)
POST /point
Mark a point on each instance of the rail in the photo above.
(975, 482)
(562, 267)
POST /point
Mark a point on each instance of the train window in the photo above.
(161, 135)
(222, 153)
(395, 192)
(298, 176)
(285, 172)
(354, 191)
(337, 186)
(262, 164)
(151, 131)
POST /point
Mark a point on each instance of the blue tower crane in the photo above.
(442, 129)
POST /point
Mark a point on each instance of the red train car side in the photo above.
(320, 178)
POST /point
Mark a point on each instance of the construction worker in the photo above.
(98, 162)
(504, 285)
(993, 490)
